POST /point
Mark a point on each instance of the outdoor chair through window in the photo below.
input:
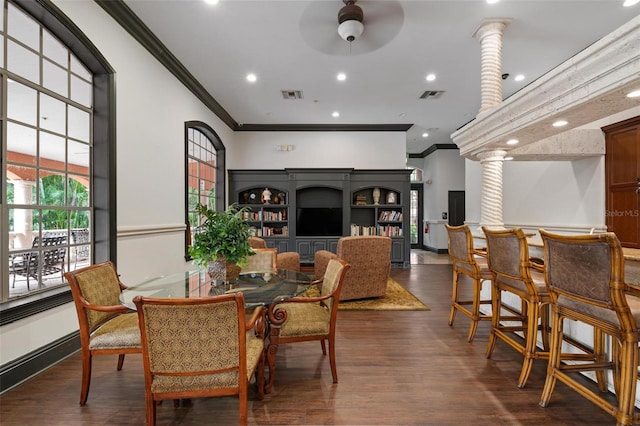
(47, 256)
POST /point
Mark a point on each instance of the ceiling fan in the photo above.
(350, 21)
(325, 26)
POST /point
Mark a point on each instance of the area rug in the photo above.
(395, 299)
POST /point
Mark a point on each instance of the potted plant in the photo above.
(222, 244)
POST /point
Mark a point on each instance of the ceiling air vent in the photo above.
(292, 94)
(431, 94)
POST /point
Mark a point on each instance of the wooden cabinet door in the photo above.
(623, 181)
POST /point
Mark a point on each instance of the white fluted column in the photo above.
(490, 36)
(491, 195)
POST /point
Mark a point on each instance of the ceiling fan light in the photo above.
(350, 30)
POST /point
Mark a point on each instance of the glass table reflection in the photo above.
(259, 289)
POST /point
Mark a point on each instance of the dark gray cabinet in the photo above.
(315, 207)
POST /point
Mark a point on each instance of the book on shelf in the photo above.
(358, 230)
(390, 216)
(252, 216)
(280, 231)
(275, 216)
(381, 230)
(361, 200)
(390, 231)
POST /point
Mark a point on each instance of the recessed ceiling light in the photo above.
(560, 123)
(635, 93)
(335, 114)
(513, 142)
(425, 135)
(492, 1)
(430, 77)
(628, 3)
(508, 158)
(341, 76)
(211, 1)
(251, 78)
(402, 114)
(519, 77)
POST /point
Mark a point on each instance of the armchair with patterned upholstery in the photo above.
(370, 260)
(106, 326)
(200, 347)
(285, 260)
(314, 318)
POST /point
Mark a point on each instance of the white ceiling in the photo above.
(294, 45)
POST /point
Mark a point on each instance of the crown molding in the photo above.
(323, 127)
(128, 20)
(433, 148)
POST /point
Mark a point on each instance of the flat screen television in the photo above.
(319, 221)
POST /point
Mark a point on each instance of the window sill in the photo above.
(15, 310)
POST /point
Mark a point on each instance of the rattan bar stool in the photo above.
(585, 277)
(515, 273)
(467, 262)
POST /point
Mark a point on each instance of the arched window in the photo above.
(204, 173)
(56, 152)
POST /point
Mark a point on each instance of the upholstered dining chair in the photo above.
(263, 260)
(314, 318)
(106, 326)
(515, 273)
(200, 347)
(585, 277)
(472, 264)
(286, 260)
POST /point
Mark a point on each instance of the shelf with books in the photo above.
(371, 217)
(267, 211)
(322, 205)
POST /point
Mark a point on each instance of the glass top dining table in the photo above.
(259, 288)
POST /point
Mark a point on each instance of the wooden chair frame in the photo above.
(467, 261)
(330, 337)
(256, 321)
(83, 306)
(603, 304)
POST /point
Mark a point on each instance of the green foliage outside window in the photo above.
(52, 194)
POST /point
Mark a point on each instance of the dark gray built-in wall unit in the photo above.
(307, 210)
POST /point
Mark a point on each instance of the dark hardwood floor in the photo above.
(394, 368)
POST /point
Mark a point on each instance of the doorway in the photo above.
(456, 208)
(417, 215)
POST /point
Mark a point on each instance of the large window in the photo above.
(205, 173)
(49, 139)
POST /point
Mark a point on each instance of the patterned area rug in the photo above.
(396, 299)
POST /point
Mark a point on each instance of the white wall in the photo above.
(358, 150)
(554, 194)
(446, 170)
